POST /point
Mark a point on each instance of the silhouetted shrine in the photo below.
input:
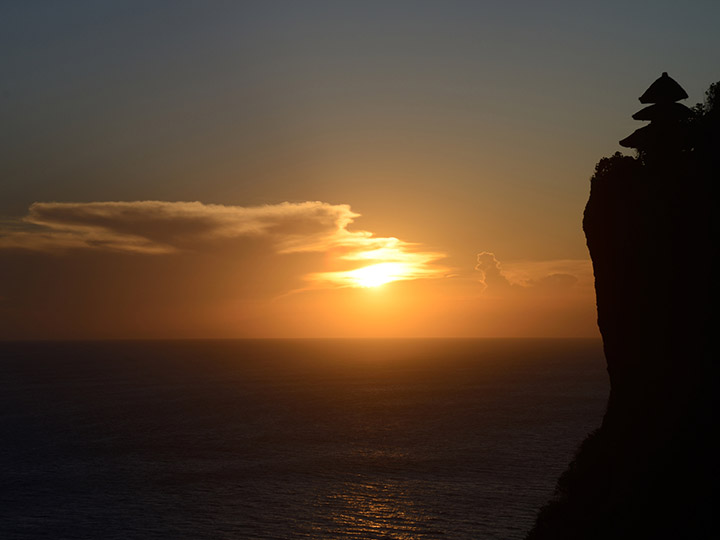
(665, 116)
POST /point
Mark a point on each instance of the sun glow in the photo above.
(378, 274)
(410, 266)
(383, 260)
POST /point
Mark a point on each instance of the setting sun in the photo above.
(378, 274)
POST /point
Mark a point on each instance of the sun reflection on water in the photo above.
(371, 510)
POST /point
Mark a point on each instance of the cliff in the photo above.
(650, 470)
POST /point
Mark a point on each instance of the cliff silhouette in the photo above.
(650, 470)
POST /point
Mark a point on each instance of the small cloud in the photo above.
(538, 276)
(491, 275)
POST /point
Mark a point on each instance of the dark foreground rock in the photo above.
(650, 470)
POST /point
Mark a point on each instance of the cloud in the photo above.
(533, 276)
(162, 228)
(156, 227)
(554, 282)
(490, 273)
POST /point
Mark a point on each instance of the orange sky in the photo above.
(250, 169)
(155, 269)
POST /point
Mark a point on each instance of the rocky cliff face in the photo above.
(650, 470)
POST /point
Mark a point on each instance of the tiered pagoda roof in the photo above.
(663, 113)
(663, 90)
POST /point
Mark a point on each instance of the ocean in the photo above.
(284, 439)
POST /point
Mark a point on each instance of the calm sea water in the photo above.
(365, 439)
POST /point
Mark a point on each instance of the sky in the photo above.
(229, 169)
